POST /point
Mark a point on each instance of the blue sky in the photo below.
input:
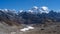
(27, 4)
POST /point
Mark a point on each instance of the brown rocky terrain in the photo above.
(38, 29)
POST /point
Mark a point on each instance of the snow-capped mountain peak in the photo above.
(44, 9)
(31, 11)
(20, 11)
(6, 10)
(1, 9)
(35, 7)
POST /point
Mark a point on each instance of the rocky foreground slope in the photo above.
(38, 29)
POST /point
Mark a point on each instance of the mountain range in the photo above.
(34, 15)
